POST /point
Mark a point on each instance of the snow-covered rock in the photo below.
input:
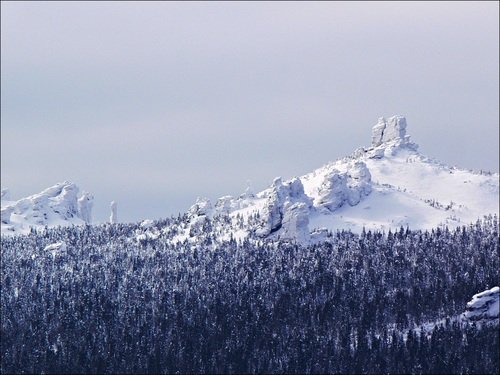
(224, 204)
(202, 207)
(394, 128)
(85, 203)
(349, 186)
(483, 309)
(148, 223)
(384, 186)
(333, 191)
(56, 205)
(55, 249)
(285, 201)
(484, 306)
(6, 212)
(295, 221)
(113, 218)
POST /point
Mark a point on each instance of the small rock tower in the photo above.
(113, 218)
(85, 203)
(393, 128)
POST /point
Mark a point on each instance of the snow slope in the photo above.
(384, 186)
(58, 205)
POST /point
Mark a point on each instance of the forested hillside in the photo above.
(99, 301)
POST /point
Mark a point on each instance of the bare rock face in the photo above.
(484, 306)
(393, 128)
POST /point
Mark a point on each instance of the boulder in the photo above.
(483, 306)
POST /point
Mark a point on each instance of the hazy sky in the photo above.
(153, 104)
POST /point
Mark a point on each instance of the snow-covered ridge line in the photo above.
(384, 186)
(60, 204)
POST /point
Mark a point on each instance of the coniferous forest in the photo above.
(106, 303)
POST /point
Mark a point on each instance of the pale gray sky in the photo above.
(152, 104)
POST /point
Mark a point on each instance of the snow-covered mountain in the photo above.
(58, 205)
(384, 186)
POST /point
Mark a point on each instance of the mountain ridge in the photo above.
(60, 204)
(384, 186)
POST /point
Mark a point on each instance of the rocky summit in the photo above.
(384, 186)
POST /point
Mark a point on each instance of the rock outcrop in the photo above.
(484, 306)
(341, 187)
(381, 187)
(113, 218)
(295, 222)
(287, 207)
(85, 203)
(393, 128)
(56, 249)
(57, 205)
(202, 207)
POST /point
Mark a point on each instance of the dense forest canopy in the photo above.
(104, 302)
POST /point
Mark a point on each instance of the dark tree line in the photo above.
(108, 304)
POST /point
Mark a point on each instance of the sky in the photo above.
(153, 104)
